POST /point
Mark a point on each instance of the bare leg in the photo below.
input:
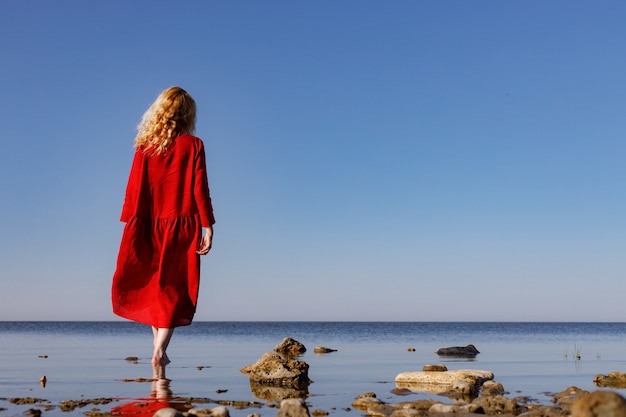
(161, 341)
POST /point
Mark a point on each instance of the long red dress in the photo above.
(166, 205)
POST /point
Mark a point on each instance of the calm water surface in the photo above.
(86, 359)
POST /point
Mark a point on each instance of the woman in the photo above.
(166, 207)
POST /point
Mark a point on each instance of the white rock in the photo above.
(168, 412)
(464, 381)
(293, 407)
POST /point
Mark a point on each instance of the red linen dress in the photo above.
(166, 205)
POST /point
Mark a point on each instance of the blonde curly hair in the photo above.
(172, 113)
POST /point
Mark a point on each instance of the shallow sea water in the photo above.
(86, 360)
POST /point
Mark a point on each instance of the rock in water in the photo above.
(435, 368)
(462, 381)
(612, 380)
(290, 347)
(322, 349)
(599, 404)
(293, 407)
(168, 412)
(468, 351)
(272, 369)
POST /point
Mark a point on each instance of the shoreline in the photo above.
(489, 402)
(469, 392)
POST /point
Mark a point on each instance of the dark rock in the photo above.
(468, 351)
(27, 400)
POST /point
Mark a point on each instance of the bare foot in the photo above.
(160, 358)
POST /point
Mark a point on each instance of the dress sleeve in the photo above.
(201, 191)
(132, 190)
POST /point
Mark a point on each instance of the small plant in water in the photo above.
(577, 352)
(565, 354)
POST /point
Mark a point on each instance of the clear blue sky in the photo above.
(368, 160)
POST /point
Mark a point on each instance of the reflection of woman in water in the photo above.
(160, 394)
(169, 222)
(160, 384)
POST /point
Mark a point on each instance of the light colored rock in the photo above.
(322, 349)
(497, 404)
(567, 397)
(492, 388)
(455, 408)
(380, 410)
(273, 369)
(464, 381)
(168, 412)
(290, 347)
(443, 408)
(293, 407)
(421, 405)
(365, 401)
(599, 404)
(435, 368)
(546, 411)
(408, 412)
(612, 380)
